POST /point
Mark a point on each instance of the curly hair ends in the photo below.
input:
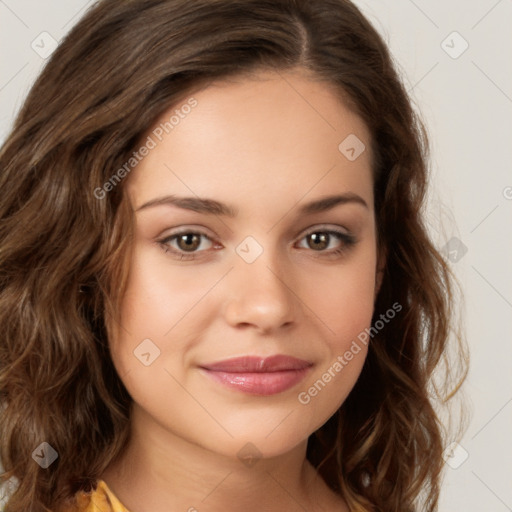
(64, 251)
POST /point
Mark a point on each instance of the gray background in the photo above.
(466, 101)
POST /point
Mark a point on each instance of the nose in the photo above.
(260, 296)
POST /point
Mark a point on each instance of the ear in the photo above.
(379, 271)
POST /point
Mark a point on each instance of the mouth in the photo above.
(259, 376)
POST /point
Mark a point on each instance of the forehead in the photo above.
(273, 134)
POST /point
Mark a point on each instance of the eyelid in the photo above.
(323, 227)
(193, 228)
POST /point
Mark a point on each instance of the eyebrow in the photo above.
(213, 207)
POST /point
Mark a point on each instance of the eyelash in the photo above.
(347, 240)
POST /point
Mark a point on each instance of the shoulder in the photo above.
(102, 499)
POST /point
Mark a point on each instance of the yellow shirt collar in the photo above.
(100, 500)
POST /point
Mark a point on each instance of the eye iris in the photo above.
(192, 241)
(321, 238)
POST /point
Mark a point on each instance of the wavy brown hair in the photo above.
(63, 251)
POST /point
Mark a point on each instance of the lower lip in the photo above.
(269, 383)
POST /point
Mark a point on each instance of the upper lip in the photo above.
(254, 364)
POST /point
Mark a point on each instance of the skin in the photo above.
(266, 145)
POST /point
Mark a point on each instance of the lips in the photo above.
(259, 376)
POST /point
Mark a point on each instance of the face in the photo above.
(244, 300)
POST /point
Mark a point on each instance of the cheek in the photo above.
(148, 347)
(148, 310)
(164, 303)
(159, 294)
(342, 297)
(344, 306)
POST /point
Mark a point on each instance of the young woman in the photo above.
(217, 289)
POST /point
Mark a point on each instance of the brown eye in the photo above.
(185, 245)
(188, 241)
(327, 243)
(319, 241)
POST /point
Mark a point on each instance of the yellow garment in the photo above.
(100, 500)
